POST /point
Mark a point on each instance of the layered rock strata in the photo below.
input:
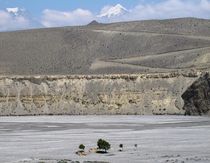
(139, 94)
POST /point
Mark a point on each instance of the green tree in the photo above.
(81, 147)
(135, 145)
(121, 147)
(103, 145)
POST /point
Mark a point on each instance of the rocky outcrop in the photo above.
(197, 97)
(96, 94)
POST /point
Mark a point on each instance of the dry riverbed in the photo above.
(160, 139)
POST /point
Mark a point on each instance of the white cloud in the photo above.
(174, 8)
(168, 9)
(52, 18)
(10, 22)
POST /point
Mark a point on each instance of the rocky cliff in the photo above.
(95, 94)
(197, 97)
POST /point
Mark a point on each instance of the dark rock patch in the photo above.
(197, 97)
(94, 22)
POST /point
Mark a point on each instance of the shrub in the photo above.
(135, 145)
(103, 145)
(82, 147)
(121, 147)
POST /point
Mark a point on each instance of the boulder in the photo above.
(197, 97)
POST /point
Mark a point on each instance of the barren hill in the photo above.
(127, 47)
(144, 67)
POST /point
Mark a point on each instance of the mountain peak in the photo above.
(94, 22)
(15, 11)
(113, 11)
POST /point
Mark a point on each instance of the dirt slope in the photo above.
(128, 47)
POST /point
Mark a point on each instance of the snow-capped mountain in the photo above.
(113, 11)
(15, 11)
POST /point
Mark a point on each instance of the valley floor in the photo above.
(160, 139)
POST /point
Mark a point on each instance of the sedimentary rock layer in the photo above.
(96, 94)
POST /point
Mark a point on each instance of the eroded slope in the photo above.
(101, 94)
(130, 47)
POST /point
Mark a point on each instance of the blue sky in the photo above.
(37, 6)
(52, 13)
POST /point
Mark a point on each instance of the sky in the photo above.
(55, 13)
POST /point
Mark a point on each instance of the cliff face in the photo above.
(107, 94)
(197, 97)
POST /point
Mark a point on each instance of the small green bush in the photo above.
(121, 147)
(136, 146)
(82, 147)
(103, 145)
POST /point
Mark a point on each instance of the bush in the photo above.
(135, 145)
(121, 147)
(103, 145)
(82, 147)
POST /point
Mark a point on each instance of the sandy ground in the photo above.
(160, 139)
